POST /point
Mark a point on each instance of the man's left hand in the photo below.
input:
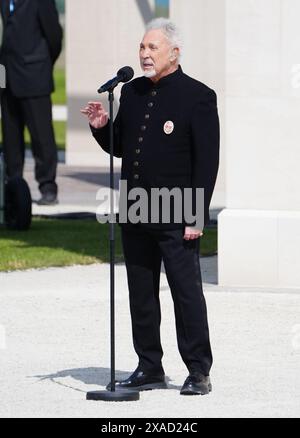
(192, 233)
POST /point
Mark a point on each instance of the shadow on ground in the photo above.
(99, 178)
(90, 376)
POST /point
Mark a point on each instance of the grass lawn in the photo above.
(52, 242)
(59, 96)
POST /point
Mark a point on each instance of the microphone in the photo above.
(125, 74)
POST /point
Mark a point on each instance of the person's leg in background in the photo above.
(12, 133)
(38, 118)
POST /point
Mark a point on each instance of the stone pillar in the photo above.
(259, 231)
(101, 37)
(202, 23)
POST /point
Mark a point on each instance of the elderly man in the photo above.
(167, 133)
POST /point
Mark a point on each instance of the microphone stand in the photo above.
(112, 394)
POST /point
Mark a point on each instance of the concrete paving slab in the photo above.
(54, 342)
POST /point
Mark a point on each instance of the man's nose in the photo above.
(145, 54)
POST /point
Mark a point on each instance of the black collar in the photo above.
(166, 80)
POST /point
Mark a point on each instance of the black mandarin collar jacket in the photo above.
(186, 157)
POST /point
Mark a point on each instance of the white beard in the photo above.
(149, 73)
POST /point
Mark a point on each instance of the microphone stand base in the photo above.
(117, 396)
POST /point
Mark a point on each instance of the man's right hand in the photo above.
(97, 116)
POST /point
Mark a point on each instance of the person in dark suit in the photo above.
(31, 43)
(167, 133)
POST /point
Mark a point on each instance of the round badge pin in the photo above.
(168, 127)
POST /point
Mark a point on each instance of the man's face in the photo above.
(157, 58)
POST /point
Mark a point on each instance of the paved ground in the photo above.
(54, 337)
(55, 346)
(77, 187)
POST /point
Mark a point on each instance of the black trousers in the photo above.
(143, 251)
(36, 114)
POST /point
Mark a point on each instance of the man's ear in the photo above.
(175, 54)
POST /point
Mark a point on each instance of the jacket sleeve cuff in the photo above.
(95, 130)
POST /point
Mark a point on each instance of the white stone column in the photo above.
(202, 23)
(101, 37)
(259, 232)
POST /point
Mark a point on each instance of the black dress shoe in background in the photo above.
(141, 381)
(196, 384)
(48, 198)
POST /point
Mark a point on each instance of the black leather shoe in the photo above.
(141, 381)
(196, 384)
(48, 198)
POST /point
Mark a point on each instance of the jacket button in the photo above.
(153, 93)
(136, 176)
(143, 127)
(150, 104)
(136, 163)
(147, 116)
(137, 151)
(141, 139)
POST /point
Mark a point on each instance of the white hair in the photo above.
(170, 29)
